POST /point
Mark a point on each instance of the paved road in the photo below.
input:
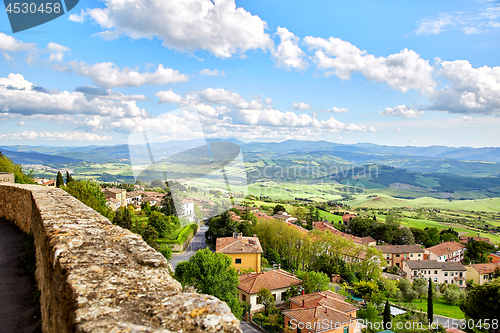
(447, 322)
(17, 312)
(197, 243)
(249, 328)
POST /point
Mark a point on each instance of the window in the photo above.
(237, 261)
(411, 254)
(419, 254)
(346, 329)
(274, 296)
(397, 255)
(451, 273)
(446, 281)
(460, 282)
(243, 298)
(461, 274)
(445, 273)
(283, 296)
(415, 272)
(435, 279)
(435, 272)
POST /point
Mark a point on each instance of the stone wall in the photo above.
(6, 177)
(97, 277)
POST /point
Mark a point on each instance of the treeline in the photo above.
(6, 165)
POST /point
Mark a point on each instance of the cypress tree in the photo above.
(69, 178)
(59, 179)
(430, 306)
(387, 316)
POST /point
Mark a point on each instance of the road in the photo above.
(197, 243)
(249, 328)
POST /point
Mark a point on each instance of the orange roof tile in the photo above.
(238, 245)
(252, 283)
(485, 268)
(320, 318)
(445, 248)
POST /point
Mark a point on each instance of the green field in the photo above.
(441, 308)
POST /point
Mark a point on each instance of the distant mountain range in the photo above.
(413, 158)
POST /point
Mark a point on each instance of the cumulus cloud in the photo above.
(288, 54)
(337, 110)
(472, 90)
(168, 96)
(107, 74)
(301, 106)
(217, 26)
(9, 43)
(19, 96)
(401, 71)
(209, 72)
(402, 111)
(58, 51)
(60, 136)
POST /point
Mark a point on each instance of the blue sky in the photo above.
(391, 72)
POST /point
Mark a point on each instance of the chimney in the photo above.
(240, 235)
(235, 235)
(254, 235)
(303, 303)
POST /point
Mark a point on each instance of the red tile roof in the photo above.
(320, 318)
(322, 226)
(238, 245)
(252, 283)
(445, 248)
(398, 249)
(331, 300)
(485, 268)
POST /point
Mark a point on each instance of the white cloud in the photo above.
(402, 111)
(401, 71)
(301, 106)
(209, 72)
(467, 22)
(20, 96)
(473, 90)
(60, 136)
(58, 51)
(78, 18)
(288, 54)
(337, 110)
(217, 26)
(466, 118)
(168, 96)
(9, 43)
(107, 74)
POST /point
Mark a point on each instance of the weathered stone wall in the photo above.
(97, 277)
(6, 177)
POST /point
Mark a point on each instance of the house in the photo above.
(394, 255)
(464, 240)
(45, 182)
(134, 198)
(188, 210)
(152, 201)
(118, 194)
(245, 252)
(439, 272)
(283, 216)
(481, 273)
(446, 251)
(322, 226)
(113, 203)
(320, 312)
(244, 209)
(346, 218)
(495, 258)
(277, 282)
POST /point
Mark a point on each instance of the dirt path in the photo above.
(18, 314)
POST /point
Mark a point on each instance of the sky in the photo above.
(386, 72)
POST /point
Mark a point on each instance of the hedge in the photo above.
(183, 235)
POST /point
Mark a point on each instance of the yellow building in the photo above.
(245, 252)
(481, 273)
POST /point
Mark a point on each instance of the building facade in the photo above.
(438, 272)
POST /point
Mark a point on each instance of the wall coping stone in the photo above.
(97, 277)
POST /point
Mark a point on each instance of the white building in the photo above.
(438, 272)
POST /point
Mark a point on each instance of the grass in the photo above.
(441, 308)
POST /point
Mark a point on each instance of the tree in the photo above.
(477, 252)
(406, 237)
(452, 296)
(6, 165)
(166, 252)
(430, 304)
(408, 293)
(59, 180)
(482, 302)
(160, 223)
(69, 178)
(220, 226)
(420, 287)
(211, 273)
(90, 194)
(312, 281)
(168, 206)
(387, 316)
(265, 297)
(278, 208)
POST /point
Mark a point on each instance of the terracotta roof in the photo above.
(238, 245)
(252, 283)
(465, 239)
(113, 200)
(398, 249)
(114, 190)
(299, 228)
(134, 194)
(324, 299)
(433, 264)
(445, 248)
(485, 268)
(319, 319)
